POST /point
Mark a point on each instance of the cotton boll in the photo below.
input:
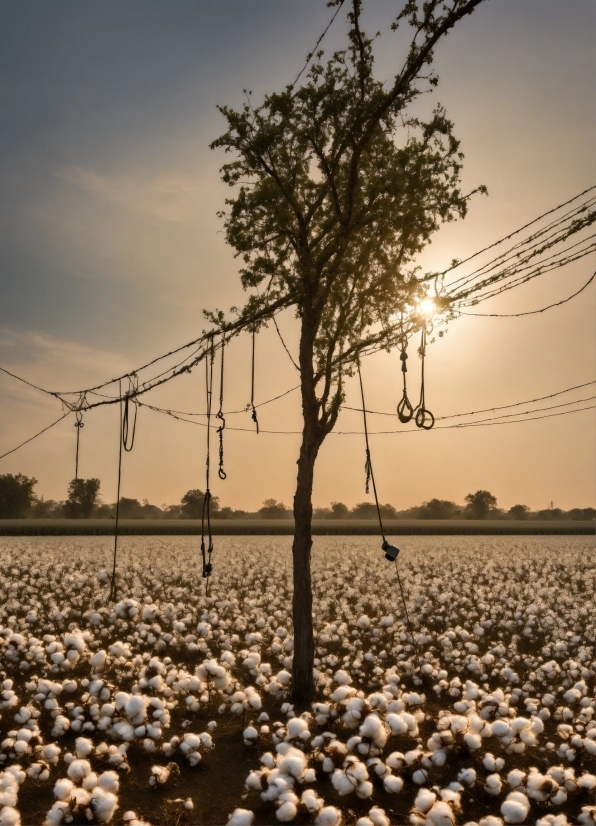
(287, 811)
(493, 784)
(58, 814)
(516, 778)
(467, 777)
(424, 800)
(78, 769)
(364, 821)
(63, 789)
(393, 784)
(329, 816)
(373, 728)
(109, 781)
(9, 816)
(83, 747)
(311, 801)
(241, 817)
(378, 817)
(440, 814)
(490, 820)
(516, 808)
(103, 805)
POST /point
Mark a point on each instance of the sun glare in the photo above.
(427, 307)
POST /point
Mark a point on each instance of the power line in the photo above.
(311, 54)
(531, 312)
(489, 409)
(26, 442)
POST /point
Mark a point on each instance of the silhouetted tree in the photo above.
(46, 508)
(480, 504)
(438, 509)
(16, 495)
(339, 510)
(192, 504)
(82, 498)
(518, 512)
(340, 187)
(368, 510)
(272, 509)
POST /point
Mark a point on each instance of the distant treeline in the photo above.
(18, 500)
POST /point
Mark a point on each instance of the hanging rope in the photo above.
(391, 551)
(221, 472)
(78, 424)
(112, 596)
(423, 418)
(128, 438)
(207, 549)
(252, 383)
(405, 411)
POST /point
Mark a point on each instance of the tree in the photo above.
(192, 504)
(480, 504)
(83, 495)
(339, 189)
(16, 495)
(368, 510)
(272, 509)
(438, 509)
(339, 510)
(518, 512)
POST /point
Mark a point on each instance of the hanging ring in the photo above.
(405, 411)
(424, 419)
(79, 422)
(222, 474)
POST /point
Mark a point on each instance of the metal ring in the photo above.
(422, 417)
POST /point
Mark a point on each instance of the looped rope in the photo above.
(207, 549)
(405, 410)
(221, 472)
(252, 383)
(423, 418)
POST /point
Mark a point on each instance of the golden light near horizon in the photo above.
(427, 307)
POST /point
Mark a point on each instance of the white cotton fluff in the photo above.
(63, 788)
(342, 678)
(467, 777)
(493, 784)
(587, 816)
(424, 800)
(9, 816)
(103, 804)
(250, 735)
(396, 723)
(293, 763)
(287, 811)
(378, 817)
(57, 814)
(440, 814)
(491, 820)
(241, 817)
(328, 816)
(373, 728)
(515, 778)
(311, 801)
(109, 781)
(78, 769)
(516, 808)
(552, 820)
(97, 661)
(392, 784)
(83, 747)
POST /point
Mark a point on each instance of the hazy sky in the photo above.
(110, 245)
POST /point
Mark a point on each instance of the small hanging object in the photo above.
(405, 411)
(78, 424)
(252, 383)
(391, 551)
(221, 472)
(128, 438)
(206, 537)
(423, 418)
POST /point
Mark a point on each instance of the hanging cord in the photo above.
(221, 472)
(78, 424)
(128, 439)
(370, 476)
(405, 411)
(207, 550)
(252, 383)
(424, 418)
(112, 596)
(391, 551)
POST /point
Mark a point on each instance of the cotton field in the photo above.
(173, 706)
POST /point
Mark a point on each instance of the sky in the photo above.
(111, 247)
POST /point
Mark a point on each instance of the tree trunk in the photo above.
(303, 687)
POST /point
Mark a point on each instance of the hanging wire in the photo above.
(405, 410)
(207, 549)
(78, 424)
(385, 546)
(112, 596)
(128, 438)
(423, 418)
(252, 383)
(31, 438)
(220, 471)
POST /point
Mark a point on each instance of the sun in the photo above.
(427, 307)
